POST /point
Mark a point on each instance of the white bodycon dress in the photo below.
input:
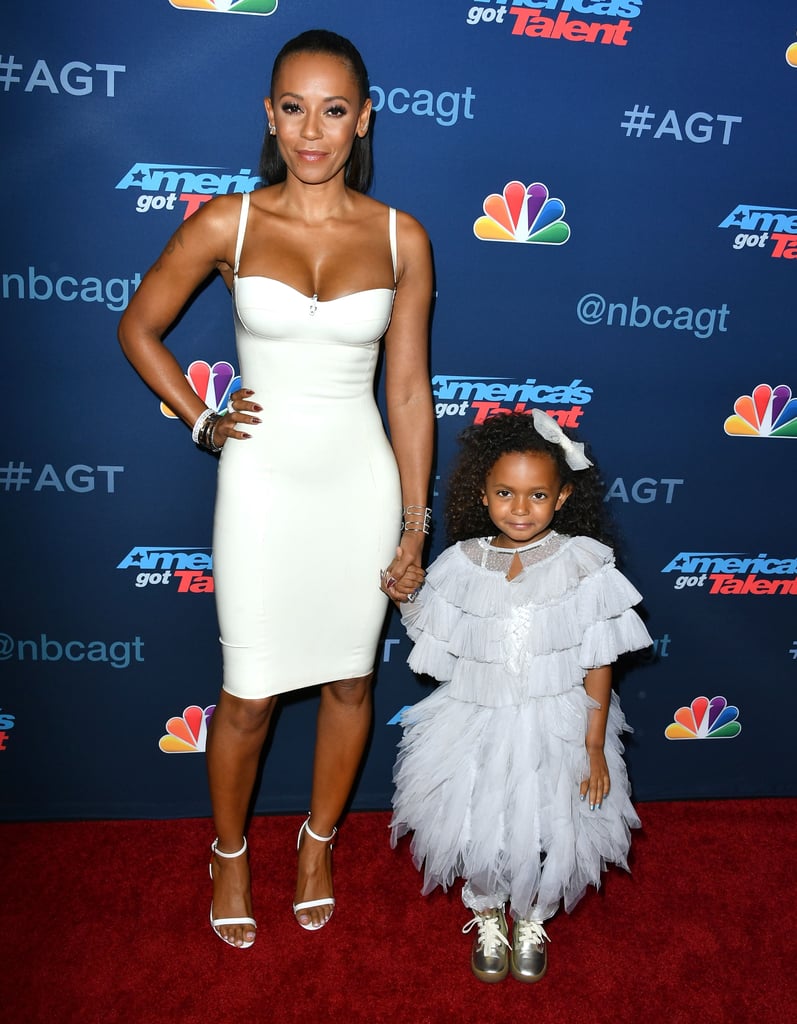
(308, 510)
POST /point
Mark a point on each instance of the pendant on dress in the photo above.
(314, 304)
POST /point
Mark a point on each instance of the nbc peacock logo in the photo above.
(522, 214)
(187, 733)
(768, 412)
(227, 6)
(705, 719)
(212, 383)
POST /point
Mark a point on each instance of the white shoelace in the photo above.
(490, 934)
(530, 932)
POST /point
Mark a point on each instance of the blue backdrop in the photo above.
(609, 189)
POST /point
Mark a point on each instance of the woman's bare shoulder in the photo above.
(216, 219)
(221, 208)
(410, 230)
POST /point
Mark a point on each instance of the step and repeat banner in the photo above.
(610, 191)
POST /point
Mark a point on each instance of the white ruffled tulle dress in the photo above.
(489, 767)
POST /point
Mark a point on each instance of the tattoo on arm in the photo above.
(171, 245)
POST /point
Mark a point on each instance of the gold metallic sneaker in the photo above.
(489, 958)
(529, 959)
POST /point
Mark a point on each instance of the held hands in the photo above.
(404, 577)
(596, 787)
(240, 413)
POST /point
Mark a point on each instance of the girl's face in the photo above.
(522, 492)
(317, 111)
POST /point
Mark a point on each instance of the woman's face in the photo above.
(317, 111)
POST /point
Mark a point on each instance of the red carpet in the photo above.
(107, 921)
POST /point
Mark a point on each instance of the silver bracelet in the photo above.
(416, 519)
(200, 421)
(205, 435)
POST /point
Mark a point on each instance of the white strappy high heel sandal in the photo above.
(219, 922)
(326, 901)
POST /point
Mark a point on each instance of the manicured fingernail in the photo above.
(391, 582)
(592, 807)
(599, 806)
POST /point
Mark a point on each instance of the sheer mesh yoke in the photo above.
(480, 551)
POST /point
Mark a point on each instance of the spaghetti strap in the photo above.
(393, 244)
(239, 243)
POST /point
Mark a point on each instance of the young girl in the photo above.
(510, 774)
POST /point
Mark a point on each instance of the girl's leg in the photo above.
(236, 733)
(344, 722)
(480, 895)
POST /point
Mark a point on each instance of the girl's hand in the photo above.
(597, 786)
(240, 414)
(403, 578)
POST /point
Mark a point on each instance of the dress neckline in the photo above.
(488, 543)
(243, 218)
(301, 294)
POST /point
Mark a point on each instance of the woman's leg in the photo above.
(236, 734)
(344, 721)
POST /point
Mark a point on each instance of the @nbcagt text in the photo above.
(118, 654)
(593, 309)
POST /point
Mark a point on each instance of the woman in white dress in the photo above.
(313, 501)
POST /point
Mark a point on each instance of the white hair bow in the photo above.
(547, 427)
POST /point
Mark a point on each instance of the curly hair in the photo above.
(482, 445)
(359, 168)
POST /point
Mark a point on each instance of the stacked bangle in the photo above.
(416, 519)
(202, 433)
(200, 420)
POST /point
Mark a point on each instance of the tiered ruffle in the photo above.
(500, 643)
(489, 768)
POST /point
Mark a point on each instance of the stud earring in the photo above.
(272, 129)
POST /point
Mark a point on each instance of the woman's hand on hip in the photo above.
(240, 414)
